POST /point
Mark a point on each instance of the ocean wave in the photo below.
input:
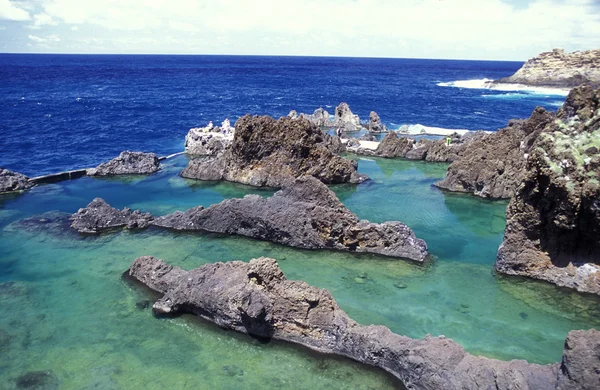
(489, 84)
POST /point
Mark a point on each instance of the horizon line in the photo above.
(258, 55)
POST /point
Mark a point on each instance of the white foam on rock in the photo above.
(506, 87)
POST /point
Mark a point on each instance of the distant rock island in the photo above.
(559, 69)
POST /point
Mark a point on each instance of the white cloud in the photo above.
(8, 11)
(412, 28)
(40, 20)
(75, 28)
(49, 39)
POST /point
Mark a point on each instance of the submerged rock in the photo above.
(128, 163)
(553, 221)
(257, 299)
(559, 69)
(209, 140)
(99, 216)
(269, 152)
(345, 120)
(51, 222)
(492, 166)
(375, 124)
(37, 380)
(304, 214)
(13, 181)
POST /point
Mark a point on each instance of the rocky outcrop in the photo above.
(128, 163)
(492, 166)
(375, 124)
(269, 152)
(304, 214)
(553, 221)
(209, 140)
(559, 69)
(13, 181)
(394, 146)
(320, 117)
(99, 216)
(345, 120)
(257, 299)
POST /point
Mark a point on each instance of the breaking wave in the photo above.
(489, 84)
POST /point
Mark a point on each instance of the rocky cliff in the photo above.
(269, 152)
(553, 220)
(559, 69)
(257, 299)
(492, 166)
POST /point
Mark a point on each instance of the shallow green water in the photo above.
(66, 309)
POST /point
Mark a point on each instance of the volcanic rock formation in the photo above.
(209, 140)
(257, 299)
(304, 214)
(269, 152)
(99, 216)
(559, 69)
(375, 124)
(128, 163)
(319, 117)
(345, 119)
(553, 220)
(13, 181)
(492, 166)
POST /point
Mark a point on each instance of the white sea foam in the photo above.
(429, 130)
(489, 84)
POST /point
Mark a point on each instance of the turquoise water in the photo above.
(67, 310)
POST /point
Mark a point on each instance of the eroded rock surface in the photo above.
(269, 152)
(375, 124)
(257, 299)
(99, 216)
(13, 181)
(209, 140)
(304, 214)
(553, 220)
(320, 117)
(346, 120)
(395, 146)
(128, 163)
(492, 166)
(559, 69)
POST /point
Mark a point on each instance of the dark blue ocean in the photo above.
(60, 112)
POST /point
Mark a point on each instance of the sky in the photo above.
(453, 29)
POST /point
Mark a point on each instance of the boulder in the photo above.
(319, 117)
(99, 216)
(394, 146)
(304, 214)
(345, 120)
(13, 181)
(209, 140)
(375, 124)
(128, 163)
(257, 299)
(553, 221)
(559, 69)
(269, 152)
(491, 166)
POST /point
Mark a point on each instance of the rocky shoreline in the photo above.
(256, 298)
(558, 69)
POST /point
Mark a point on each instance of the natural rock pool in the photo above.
(66, 310)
